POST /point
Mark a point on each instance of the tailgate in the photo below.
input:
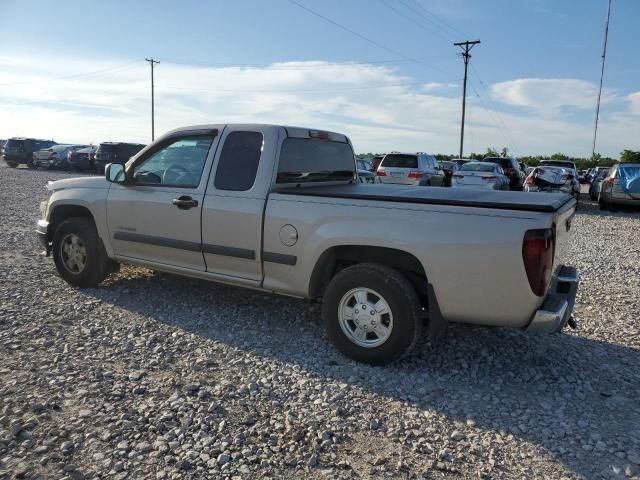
(563, 226)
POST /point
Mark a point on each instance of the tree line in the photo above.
(626, 156)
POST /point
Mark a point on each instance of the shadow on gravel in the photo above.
(578, 399)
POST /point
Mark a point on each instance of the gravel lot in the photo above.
(156, 376)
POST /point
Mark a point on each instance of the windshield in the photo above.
(503, 162)
(13, 143)
(398, 160)
(477, 167)
(305, 160)
(447, 165)
(603, 173)
(557, 163)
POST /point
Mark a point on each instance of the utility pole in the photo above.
(604, 54)
(152, 62)
(466, 48)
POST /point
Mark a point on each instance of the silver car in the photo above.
(486, 175)
(620, 186)
(594, 188)
(553, 179)
(411, 169)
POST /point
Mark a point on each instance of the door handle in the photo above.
(185, 202)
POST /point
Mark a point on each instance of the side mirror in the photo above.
(115, 173)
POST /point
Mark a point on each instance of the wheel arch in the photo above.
(336, 258)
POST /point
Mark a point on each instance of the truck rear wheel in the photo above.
(78, 253)
(372, 313)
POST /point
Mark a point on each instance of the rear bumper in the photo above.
(557, 308)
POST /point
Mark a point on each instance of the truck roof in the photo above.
(292, 130)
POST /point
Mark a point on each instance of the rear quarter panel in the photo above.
(472, 256)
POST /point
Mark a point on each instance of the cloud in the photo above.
(381, 110)
(549, 95)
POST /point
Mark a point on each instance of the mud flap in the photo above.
(437, 324)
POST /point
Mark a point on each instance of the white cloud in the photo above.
(549, 95)
(378, 108)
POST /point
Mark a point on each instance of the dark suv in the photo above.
(511, 169)
(20, 150)
(109, 152)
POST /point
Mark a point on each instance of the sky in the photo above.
(384, 72)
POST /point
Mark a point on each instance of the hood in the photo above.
(80, 182)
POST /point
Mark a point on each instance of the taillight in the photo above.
(415, 174)
(611, 180)
(530, 180)
(381, 173)
(489, 178)
(540, 171)
(537, 253)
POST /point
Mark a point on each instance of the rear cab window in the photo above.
(239, 160)
(308, 160)
(399, 160)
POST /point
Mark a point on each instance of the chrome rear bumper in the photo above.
(557, 308)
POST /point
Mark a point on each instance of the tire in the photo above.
(402, 302)
(602, 204)
(96, 266)
(12, 164)
(31, 165)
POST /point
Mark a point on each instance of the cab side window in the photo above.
(178, 164)
(238, 164)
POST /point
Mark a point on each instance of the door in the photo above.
(234, 202)
(155, 216)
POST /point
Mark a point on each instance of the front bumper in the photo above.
(557, 308)
(42, 232)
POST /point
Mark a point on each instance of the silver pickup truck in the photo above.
(280, 209)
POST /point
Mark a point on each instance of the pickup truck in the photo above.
(280, 209)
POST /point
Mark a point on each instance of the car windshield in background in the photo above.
(13, 143)
(310, 160)
(503, 162)
(552, 163)
(59, 148)
(477, 167)
(400, 161)
(602, 173)
(447, 165)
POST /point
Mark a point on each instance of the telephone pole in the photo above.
(466, 48)
(152, 62)
(604, 54)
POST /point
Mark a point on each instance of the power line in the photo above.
(412, 20)
(491, 116)
(72, 77)
(454, 30)
(373, 42)
(604, 55)
(494, 108)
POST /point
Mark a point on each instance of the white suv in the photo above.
(410, 169)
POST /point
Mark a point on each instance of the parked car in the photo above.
(592, 173)
(486, 175)
(288, 218)
(410, 169)
(375, 162)
(109, 152)
(19, 150)
(2, 142)
(449, 168)
(82, 159)
(621, 186)
(55, 156)
(462, 161)
(364, 165)
(511, 169)
(594, 187)
(582, 176)
(553, 179)
(365, 176)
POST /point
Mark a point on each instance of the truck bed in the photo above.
(461, 197)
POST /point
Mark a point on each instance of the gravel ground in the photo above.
(156, 376)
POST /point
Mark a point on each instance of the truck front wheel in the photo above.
(372, 313)
(78, 253)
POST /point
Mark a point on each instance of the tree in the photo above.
(491, 152)
(559, 156)
(504, 152)
(630, 156)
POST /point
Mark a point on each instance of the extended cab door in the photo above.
(155, 216)
(234, 202)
